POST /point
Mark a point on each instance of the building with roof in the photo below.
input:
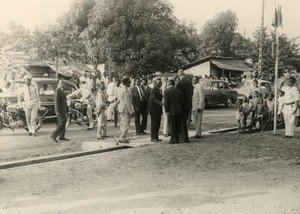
(218, 67)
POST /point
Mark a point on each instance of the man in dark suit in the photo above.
(186, 87)
(173, 108)
(139, 103)
(155, 109)
(147, 91)
(61, 110)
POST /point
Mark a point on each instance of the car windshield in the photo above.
(205, 85)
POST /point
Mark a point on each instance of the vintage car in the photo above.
(218, 92)
(46, 88)
(264, 85)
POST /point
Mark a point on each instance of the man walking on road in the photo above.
(155, 108)
(30, 94)
(186, 87)
(173, 108)
(125, 109)
(198, 106)
(61, 110)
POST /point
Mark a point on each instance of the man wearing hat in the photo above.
(290, 106)
(86, 96)
(125, 109)
(30, 95)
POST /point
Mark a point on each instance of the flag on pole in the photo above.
(277, 20)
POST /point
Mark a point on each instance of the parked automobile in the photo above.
(218, 92)
(264, 85)
(46, 88)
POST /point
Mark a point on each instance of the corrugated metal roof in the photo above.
(231, 64)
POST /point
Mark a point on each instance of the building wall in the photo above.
(202, 69)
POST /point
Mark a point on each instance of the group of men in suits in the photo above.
(180, 98)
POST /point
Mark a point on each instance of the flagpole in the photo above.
(276, 79)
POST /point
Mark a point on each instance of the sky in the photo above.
(36, 13)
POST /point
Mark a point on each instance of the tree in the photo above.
(218, 34)
(145, 40)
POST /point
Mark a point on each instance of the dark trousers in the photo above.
(137, 121)
(155, 124)
(184, 125)
(116, 117)
(175, 123)
(141, 126)
(61, 127)
(144, 113)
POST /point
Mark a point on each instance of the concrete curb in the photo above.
(58, 157)
(223, 130)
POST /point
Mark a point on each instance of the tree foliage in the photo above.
(139, 35)
(218, 34)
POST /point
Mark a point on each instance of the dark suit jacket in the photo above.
(60, 102)
(173, 101)
(155, 101)
(186, 87)
(147, 91)
(136, 100)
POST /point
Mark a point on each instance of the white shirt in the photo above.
(290, 94)
(86, 94)
(198, 97)
(30, 94)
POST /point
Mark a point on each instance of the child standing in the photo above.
(246, 108)
(101, 105)
(270, 106)
(237, 112)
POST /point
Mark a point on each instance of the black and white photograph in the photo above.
(149, 106)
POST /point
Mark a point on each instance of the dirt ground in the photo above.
(220, 173)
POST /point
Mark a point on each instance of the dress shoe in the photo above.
(172, 142)
(29, 134)
(154, 140)
(100, 138)
(105, 136)
(89, 128)
(197, 136)
(184, 141)
(165, 135)
(123, 141)
(54, 139)
(143, 133)
(159, 139)
(65, 139)
(34, 134)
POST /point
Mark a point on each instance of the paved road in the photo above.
(17, 145)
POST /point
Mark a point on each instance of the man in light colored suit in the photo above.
(198, 106)
(125, 109)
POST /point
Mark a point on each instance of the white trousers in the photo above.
(101, 127)
(198, 122)
(31, 115)
(289, 119)
(89, 111)
(124, 125)
(109, 112)
(165, 123)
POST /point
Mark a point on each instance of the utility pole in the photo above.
(262, 38)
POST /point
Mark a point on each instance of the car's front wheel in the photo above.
(229, 102)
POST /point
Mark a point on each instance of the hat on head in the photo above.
(45, 75)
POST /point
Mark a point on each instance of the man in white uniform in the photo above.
(290, 106)
(30, 95)
(198, 106)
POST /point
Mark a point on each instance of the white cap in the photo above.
(45, 75)
(82, 79)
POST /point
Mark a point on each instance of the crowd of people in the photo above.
(260, 107)
(174, 99)
(121, 100)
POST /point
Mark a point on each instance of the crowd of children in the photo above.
(259, 108)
